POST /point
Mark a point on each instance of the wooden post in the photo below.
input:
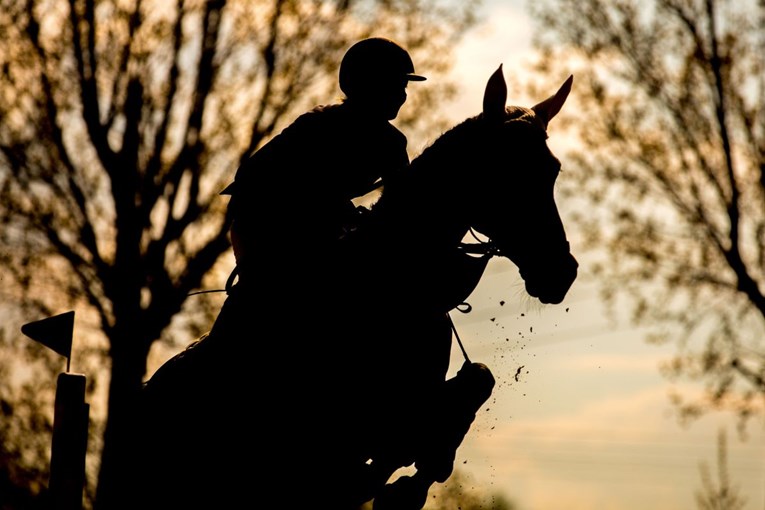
(69, 444)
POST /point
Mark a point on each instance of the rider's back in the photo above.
(293, 198)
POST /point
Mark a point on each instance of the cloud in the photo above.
(648, 363)
(613, 418)
(622, 452)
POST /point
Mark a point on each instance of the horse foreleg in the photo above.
(456, 408)
(460, 400)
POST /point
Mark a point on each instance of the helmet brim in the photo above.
(415, 77)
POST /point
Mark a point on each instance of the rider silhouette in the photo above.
(291, 205)
(295, 193)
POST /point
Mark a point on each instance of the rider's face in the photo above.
(386, 96)
(392, 96)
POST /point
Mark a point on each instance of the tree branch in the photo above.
(152, 186)
(86, 68)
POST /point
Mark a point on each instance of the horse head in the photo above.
(517, 212)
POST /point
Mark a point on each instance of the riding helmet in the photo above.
(371, 59)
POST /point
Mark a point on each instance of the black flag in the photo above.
(54, 332)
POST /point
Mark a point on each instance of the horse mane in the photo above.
(454, 149)
(456, 141)
(450, 142)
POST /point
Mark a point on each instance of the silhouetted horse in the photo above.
(318, 401)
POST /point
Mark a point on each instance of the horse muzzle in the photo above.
(549, 279)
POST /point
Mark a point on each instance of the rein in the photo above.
(485, 249)
(457, 336)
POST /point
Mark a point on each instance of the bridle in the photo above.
(486, 249)
(480, 247)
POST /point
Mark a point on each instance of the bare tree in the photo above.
(121, 121)
(669, 168)
(721, 495)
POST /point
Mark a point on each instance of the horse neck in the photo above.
(425, 206)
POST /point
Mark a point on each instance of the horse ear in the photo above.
(495, 96)
(550, 107)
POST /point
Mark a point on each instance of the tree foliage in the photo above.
(669, 171)
(458, 492)
(121, 121)
(23, 408)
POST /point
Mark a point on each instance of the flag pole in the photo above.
(69, 443)
(71, 415)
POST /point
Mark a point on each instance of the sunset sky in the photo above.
(588, 424)
(581, 417)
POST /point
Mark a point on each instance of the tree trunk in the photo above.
(129, 354)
